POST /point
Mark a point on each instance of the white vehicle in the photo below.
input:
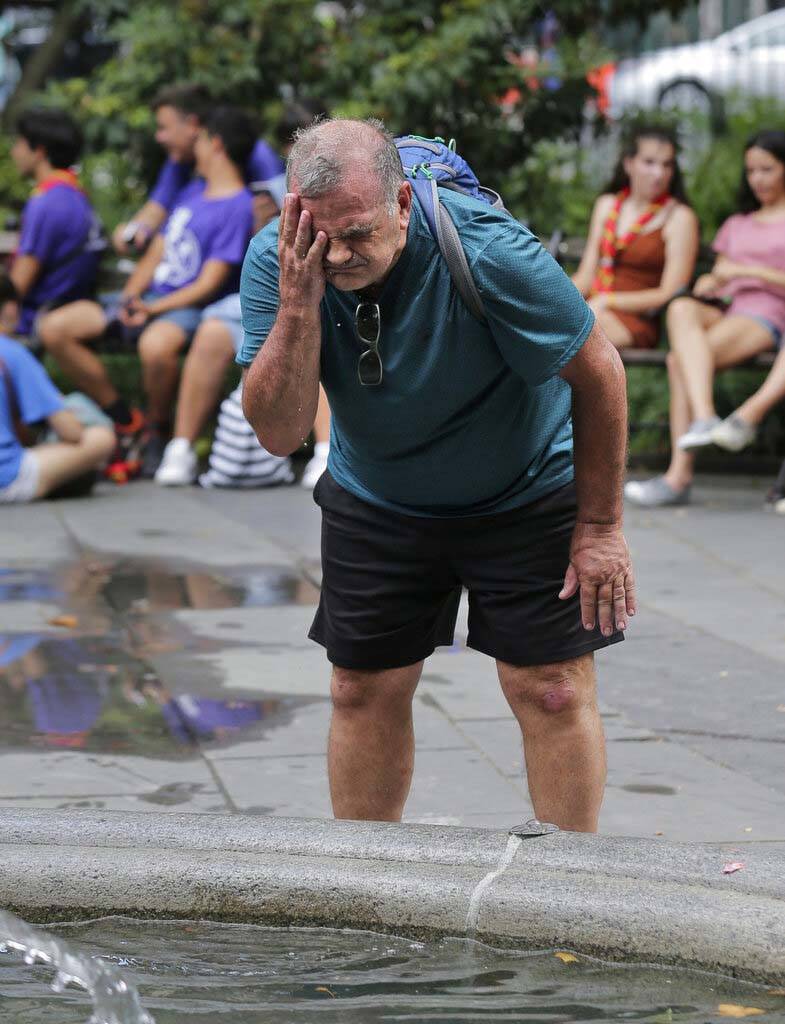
(749, 59)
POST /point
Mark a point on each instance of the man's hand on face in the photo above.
(300, 257)
(600, 567)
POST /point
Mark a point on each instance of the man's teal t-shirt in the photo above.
(470, 418)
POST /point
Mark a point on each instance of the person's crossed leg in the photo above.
(68, 334)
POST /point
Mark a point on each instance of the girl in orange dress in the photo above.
(643, 241)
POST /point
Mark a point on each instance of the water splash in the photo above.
(513, 843)
(115, 1001)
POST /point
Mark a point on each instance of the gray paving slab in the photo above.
(173, 524)
(64, 773)
(666, 788)
(33, 535)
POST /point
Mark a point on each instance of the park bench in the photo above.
(570, 250)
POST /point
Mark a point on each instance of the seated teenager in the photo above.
(60, 243)
(734, 312)
(194, 261)
(643, 241)
(180, 112)
(27, 396)
(214, 348)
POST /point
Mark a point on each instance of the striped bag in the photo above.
(237, 459)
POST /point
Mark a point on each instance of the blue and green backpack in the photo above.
(432, 164)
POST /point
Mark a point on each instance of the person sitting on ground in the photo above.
(734, 313)
(643, 241)
(61, 241)
(214, 348)
(180, 112)
(196, 259)
(27, 396)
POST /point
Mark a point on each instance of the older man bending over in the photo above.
(452, 463)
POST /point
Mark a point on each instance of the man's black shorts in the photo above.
(391, 583)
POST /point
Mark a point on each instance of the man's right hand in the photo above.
(300, 258)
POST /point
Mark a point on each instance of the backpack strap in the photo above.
(450, 246)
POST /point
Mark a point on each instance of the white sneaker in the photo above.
(699, 435)
(316, 466)
(733, 433)
(178, 465)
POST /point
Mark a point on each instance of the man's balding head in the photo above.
(329, 152)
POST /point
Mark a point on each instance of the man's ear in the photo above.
(405, 203)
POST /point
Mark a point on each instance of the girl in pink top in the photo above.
(734, 312)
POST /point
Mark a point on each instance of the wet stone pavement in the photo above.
(153, 656)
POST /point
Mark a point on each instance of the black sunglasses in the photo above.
(367, 324)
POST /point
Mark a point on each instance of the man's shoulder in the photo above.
(264, 244)
(478, 222)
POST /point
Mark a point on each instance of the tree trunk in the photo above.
(41, 63)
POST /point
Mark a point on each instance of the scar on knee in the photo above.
(558, 698)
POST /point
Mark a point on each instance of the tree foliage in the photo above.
(423, 66)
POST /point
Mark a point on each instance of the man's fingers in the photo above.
(570, 583)
(588, 605)
(304, 236)
(619, 603)
(289, 219)
(317, 250)
(605, 608)
(629, 590)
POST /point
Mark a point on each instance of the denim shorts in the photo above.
(187, 318)
(25, 484)
(776, 333)
(228, 311)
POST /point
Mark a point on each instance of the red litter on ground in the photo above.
(734, 865)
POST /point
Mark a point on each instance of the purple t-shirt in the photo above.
(264, 172)
(36, 399)
(201, 229)
(743, 238)
(61, 230)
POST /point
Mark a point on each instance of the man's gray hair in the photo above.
(325, 151)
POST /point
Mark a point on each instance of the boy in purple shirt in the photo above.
(180, 112)
(193, 261)
(61, 241)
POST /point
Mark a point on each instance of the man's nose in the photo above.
(337, 253)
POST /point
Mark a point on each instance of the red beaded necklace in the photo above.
(611, 245)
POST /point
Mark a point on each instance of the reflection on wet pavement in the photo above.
(90, 685)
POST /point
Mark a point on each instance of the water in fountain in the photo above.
(114, 1000)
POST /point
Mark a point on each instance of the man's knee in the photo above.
(159, 344)
(354, 689)
(213, 339)
(57, 327)
(561, 689)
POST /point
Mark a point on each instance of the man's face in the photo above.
(177, 133)
(23, 156)
(365, 238)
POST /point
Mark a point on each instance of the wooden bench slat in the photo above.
(656, 357)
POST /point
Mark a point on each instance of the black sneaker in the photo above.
(152, 453)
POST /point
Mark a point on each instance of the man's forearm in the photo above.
(281, 389)
(599, 414)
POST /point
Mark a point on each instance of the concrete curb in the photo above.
(626, 899)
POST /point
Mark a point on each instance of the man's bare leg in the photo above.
(159, 349)
(371, 746)
(564, 746)
(65, 333)
(202, 381)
